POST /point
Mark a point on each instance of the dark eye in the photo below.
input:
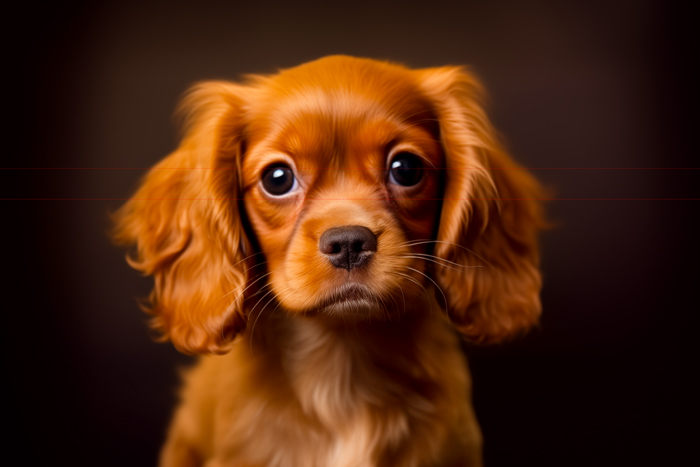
(278, 179)
(405, 169)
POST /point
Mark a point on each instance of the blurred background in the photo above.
(597, 97)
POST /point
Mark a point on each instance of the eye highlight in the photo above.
(278, 179)
(406, 169)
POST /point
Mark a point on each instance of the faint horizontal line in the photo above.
(354, 199)
(353, 168)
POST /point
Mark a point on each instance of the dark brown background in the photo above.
(604, 381)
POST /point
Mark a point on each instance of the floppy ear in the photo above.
(185, 223)
(490, 217)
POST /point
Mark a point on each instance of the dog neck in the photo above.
(343, 371)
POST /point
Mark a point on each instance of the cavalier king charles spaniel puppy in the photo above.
(322, 237)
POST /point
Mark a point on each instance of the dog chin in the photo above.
(351, 301)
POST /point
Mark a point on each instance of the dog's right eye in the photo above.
(278, 179)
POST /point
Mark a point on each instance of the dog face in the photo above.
(330, 213)
(359, 186)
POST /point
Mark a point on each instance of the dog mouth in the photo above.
(349, 297)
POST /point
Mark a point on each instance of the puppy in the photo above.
(318, 235)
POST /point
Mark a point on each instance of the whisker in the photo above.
(429, 260)
(422, 242)
(382, 305)
(438, 260)
(252, 330)
(409, 278)
(270, 301)
(425, 291)
(244, 259)
(436, 285)
(428, 255)
(394, 300)
(403, 297)
(262, 288)
(249, 285)
(234, 301)
(279, 302)
(244, 283)
(250, 313)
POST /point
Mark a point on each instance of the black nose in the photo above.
(348, 247)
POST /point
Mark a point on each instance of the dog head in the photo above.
(355, 189)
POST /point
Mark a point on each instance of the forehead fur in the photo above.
(340, 73)
(336, 89)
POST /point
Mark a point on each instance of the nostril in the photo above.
(349, 246)
(329, 245)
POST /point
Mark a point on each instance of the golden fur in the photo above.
(299, 370)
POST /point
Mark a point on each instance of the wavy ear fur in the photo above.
(185, 223)
(490, 217)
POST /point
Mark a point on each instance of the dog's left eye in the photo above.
(405, 169)
(278, 179)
